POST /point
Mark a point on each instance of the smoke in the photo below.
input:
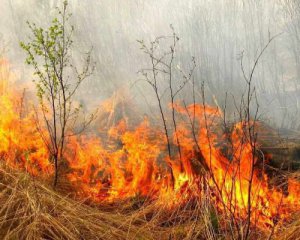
(214, 32)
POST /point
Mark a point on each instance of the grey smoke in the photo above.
(214, 31)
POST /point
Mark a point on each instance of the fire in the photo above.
(121, 172)
(21, 144)
(125, 162)
(137, 164)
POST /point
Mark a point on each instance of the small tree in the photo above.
(162, 68)
(49, 52)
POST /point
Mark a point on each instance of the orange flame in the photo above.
(21, 145)
(125, 162)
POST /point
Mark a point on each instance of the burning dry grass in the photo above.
(125, 170)
(31, 210)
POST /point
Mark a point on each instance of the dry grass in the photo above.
(290, 231)
(31, 210)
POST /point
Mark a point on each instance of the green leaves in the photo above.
(45, 52)
(40, 91)
(48, 52)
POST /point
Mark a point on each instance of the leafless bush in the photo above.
(247, 114)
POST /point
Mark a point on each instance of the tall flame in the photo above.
(125, 162)
(21, 145)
